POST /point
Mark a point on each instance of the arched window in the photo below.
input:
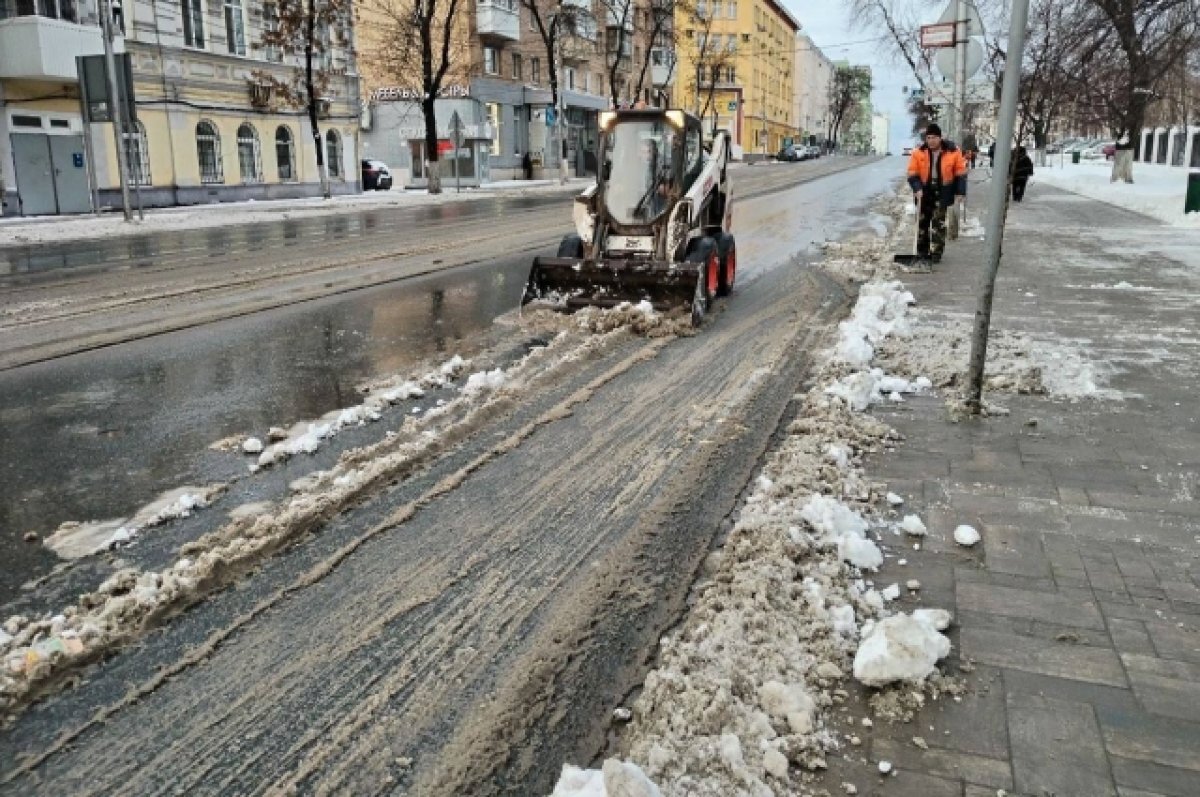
(208, 153)
(285, 153)
(333, 153)
(137, 155)
(249, 154)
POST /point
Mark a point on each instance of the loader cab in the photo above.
(649, 158)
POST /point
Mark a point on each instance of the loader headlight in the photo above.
(676, 119)
(605, 119)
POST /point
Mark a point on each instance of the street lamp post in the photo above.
(116, 106)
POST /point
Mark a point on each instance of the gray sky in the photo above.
(828, 24)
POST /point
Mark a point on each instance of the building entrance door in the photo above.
(51, 174)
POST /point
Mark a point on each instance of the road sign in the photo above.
(974, 23)
(551, 117)
(945, 59)
(940, 35)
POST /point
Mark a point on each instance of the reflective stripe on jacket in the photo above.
(952, 165)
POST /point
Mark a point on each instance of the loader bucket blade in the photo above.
(607, 283)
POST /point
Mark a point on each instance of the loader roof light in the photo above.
(605, 119)
(676, 118)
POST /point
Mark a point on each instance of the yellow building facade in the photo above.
(209, 127)
(736, 65)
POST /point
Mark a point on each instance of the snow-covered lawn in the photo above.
(1156, 191)
(17, 231)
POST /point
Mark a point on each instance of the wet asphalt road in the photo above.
(103, 432)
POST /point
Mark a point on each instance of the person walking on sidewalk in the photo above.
(1022, 171)
(937, 175)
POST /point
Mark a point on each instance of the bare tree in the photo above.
(555, 23)
(660, 36)
(619, 17)
(305, 34)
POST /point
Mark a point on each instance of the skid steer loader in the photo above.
(654, 226)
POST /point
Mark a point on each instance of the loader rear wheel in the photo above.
(571, 246)
(727, 248)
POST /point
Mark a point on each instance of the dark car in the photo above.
(376, 176)
(789, 154)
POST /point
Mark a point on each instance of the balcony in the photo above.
(499, 19)
(662, 66)
(41, 48)
(577, 48)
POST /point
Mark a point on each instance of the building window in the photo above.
(54, 9)
(249, 154)
(333, 153)
(193, 23)
(208, 153)
(491, 65)
(493, 109)
(270, 12)
(702, 8)
(285, 153)
(516, 66)
(535, 70)
(569, 78)
(235, 27)
(137, 155)
(732, 9)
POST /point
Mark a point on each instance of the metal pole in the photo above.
(960, 71)
(116, 106)
(93, 188)
(998, 200)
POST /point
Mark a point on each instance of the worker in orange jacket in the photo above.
(937, 174)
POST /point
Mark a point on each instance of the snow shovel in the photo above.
(914, 257)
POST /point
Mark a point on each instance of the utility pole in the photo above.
(762, 108)
(960, 70)
(999, 201)
(116, 106)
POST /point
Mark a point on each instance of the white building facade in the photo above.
(881, 129)
(814, 74)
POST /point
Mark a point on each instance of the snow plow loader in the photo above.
(655, 225)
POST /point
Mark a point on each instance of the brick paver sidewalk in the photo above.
(1080, 609)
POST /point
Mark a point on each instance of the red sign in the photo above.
(445, 146)
(940, 35)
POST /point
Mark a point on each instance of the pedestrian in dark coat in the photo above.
(1022, 171)
(527, 165)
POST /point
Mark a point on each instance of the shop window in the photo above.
(249, 154)
(193, 23)
(137, 155)
(285, 153)
(208, 153)
(21, 120)
(333, 153)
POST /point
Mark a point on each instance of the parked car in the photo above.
(789, 154)
(906, 151)
(376, 176)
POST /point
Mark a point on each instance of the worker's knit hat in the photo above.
(933, 130)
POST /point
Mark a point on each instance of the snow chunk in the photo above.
(938, 618)
(484, 380)
(879, 312)
(894, 499)
(899, 648)
(859, 390)
(913, 526)
(832, 518)
(788, 702)
(891, 592)
(252, 445)
(616, 779)
(860, 552)
(966, 536)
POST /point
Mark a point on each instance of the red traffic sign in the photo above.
(939, 35)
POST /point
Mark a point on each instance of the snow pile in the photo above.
(879, 312)
(913, 526)
(1157, 190)
(739, 699)
(899, 648)
(616, 779)
(306, 437)
(73, 539)
(966, 535)
(484, 380)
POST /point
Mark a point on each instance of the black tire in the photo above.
(571, 246)
(727, 250)
(702, 250)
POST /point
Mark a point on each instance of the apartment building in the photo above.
(499, 86)
(881, 133)
(209, 126)
(814, 74)
(736, 67)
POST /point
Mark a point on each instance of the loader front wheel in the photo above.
(727, 248)
(703, 252)
(571, 246)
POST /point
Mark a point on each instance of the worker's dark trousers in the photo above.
(931, 224)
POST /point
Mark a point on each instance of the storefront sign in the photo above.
(402, 93)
